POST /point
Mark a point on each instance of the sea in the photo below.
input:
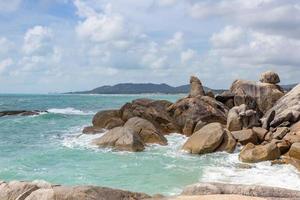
(51, 147)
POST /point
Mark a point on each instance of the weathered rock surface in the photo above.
(107, 119)
(154, 111)
(245, 136)
(247, 190)
(206, 140)
(121, 138)
(92, 130)
(260, 133)
(40, 190)
(280, 132)
(252, 154)
(21, 112)
(287, 108)
(264, 94)
(294, 151)
(196, 87)
(146, 130)
(228, 144)
(201, 108)
(269, 77)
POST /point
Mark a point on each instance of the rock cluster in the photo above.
(40, 190)
(257, 115)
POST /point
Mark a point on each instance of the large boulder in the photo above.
(228, 144)
(206, 140)
(265, 95)
(108, 119)
(187, 112)
(294, 135)
(260, 133)
(252, 154)
(84, 192)
(196, 87)
(154, 111)
(287, 108)
(245, 136)
(146, 130)
(269, 77)
(294, 151)
(121, 138)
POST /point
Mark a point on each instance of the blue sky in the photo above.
(70, 45)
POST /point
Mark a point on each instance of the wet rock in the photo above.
(196, 87)
(228, 144)
(121, 138)
(245, 136)
(206, 140)
(252, 154)
(154, 111)
(146, 130)
(20, 112)
(265, 95)
(269, 77)
(287, 108)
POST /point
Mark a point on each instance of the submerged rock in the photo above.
(252, 154)
(21, 112)
(206, 140)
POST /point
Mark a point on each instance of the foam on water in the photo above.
(69, 111)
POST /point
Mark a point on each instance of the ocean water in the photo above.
(50, 147)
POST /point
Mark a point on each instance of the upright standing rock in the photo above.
(196, 87)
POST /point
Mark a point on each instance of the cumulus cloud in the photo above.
(4, 64)
(36, 40)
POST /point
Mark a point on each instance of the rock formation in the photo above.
(196, 87)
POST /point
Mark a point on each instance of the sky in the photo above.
(72, 45)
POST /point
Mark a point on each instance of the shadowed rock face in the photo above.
(17, 190)
(264, 94)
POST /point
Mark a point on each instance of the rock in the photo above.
(206, 140)
(245, 136)
(247, 190)
(200, 124)
(196, 87)
(294, 151)
(287, 108)
(234, 121)
(19, 190)
(269, 77)
(283, 146)
(252, 154)
(188, 128)
(260, 132)
(121, 138)
(225, 96)
(202, 108)
(154, 111)
(280, 132)
(292, 137)
(21, 112)
(146, 130)
(292, 161)
(269, 117)
(107, 119)
(84, 192)
(228, 144)
(92, 130)
(210, 94)
(265, 95)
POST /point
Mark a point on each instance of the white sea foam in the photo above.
(69, 111)
(78, 140)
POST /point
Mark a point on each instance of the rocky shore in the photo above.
(259, 116)
(41, 190)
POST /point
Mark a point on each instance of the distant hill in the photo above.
(140, 88)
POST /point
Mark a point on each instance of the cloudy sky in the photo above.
(67, 45)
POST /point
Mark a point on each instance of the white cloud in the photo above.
(228, 37)
(36, 39)
(187, 56)
(166, 2)
(176, 41)
(4, 64)
(5, 45)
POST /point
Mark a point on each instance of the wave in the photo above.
(69, 111)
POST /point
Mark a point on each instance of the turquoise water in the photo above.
(50, 147)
